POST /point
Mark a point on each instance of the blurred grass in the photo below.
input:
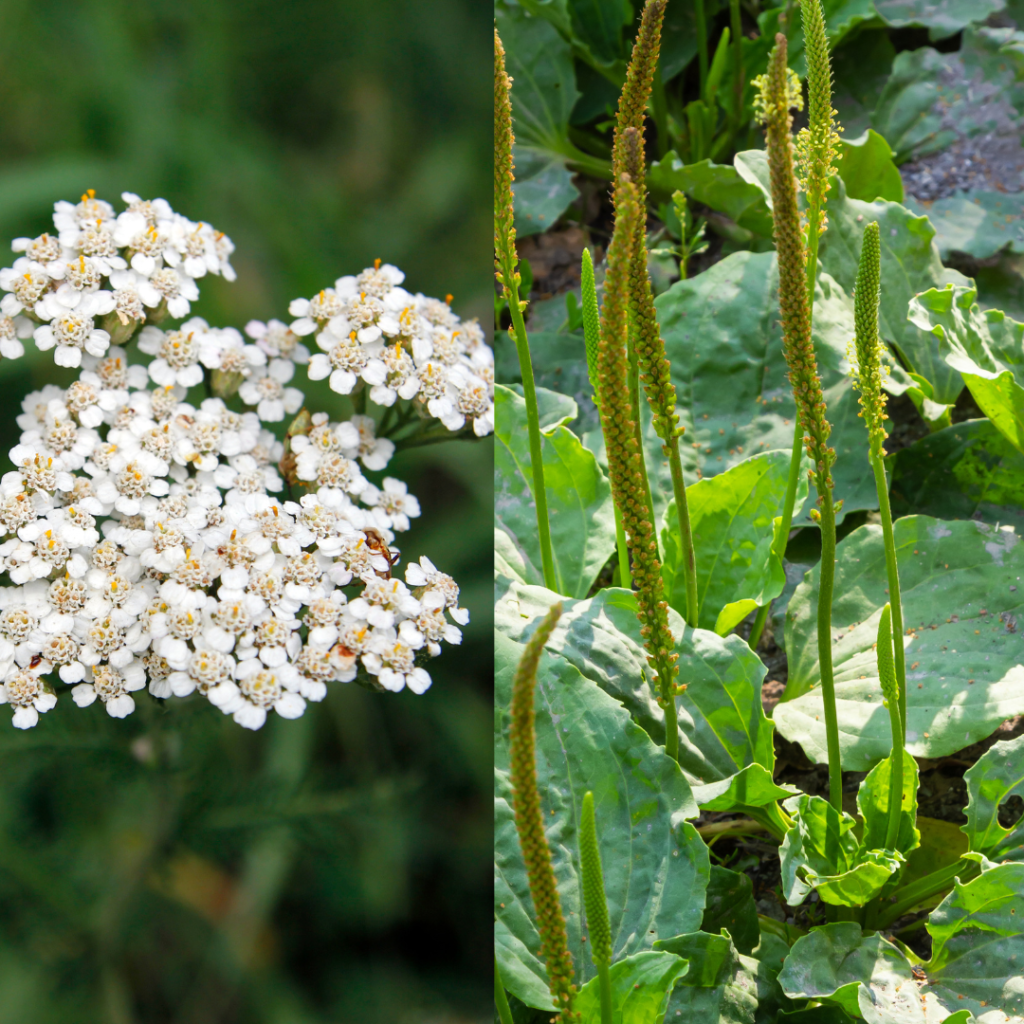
(173, 867)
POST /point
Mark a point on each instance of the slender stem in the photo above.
(813, 233)
(604, 981)
(671, 718)
(737, 44)
(828, 690)
(702, 42)
(758, 627)
(685, 533)
(533, 429)
(500, 999)
(625, 579)
(892, 831)
(788, 506)
(894, 589)
(917, 892)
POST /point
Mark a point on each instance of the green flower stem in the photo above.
(813, 234)
(899, 655)
(890, 694)
(788, 505)
(529, 821)
(592, 341)
(917, 892)
(778, 94)
(500, 999)
(505, 260)
(596, 906)
(702, 42)
(685, 533)
(828, 689)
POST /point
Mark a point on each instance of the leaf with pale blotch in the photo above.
(641, 986)
(722, 725)
(580, 510)
(863, 974)
(942, 18)
(962, 599)
(655, 865)
(979, 224)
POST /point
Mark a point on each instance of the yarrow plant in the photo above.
(158, 535)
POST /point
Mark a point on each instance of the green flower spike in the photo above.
(624, 460)
(648, 348)
(529, 818)
(870, 372)
(596, 905)
(592, 339)
(505, 261)
(817, 145)
(776, 98)
(891, 700)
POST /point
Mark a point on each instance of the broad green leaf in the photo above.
(539, 60)
(751, 791)
(722, 337)
(722, 725)
(942, 18)
(978, 948)
(979, 224)
(722, 986)
(873, 805)
(942, 844)
(910, 264)
(996, 776)
(821, 853)
(655, 865)
(729, 904)
(1001, 286)
(733, 190)
(641, 986)
(543, 190)
(553, 408)
(580, 510)
(982, 345)
(733, 519)
(862, 974)
(865, 164)
(961, 602)
(925, 106)
(967, 471)
(824, 1013)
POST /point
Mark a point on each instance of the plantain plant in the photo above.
(895, 648)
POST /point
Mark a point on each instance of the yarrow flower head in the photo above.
(157, 539)
(376, 336)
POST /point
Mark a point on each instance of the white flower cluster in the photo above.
(102, 274)
(153, 540)
(372, 332)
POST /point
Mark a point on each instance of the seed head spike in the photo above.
(591, 318)
(505, 257)
(869, 367)
(886, 662)
(776, 99)
(529, 819)
(600, 932)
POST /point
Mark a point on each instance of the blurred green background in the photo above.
(174, 867)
